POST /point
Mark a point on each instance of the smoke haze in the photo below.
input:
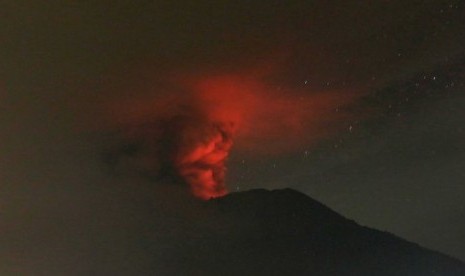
(191, 129)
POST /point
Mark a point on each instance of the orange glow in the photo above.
(202, 163)
(213, 111)
(267, 120)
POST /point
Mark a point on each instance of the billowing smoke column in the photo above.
(185, 132)
(218, 106)
(189, 131)
(204, 138)
(201, 156)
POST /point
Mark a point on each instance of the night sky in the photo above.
(358, 104)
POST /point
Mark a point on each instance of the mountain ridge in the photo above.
(288, 232)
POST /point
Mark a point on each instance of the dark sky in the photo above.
(393, 160)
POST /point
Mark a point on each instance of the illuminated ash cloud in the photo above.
(186, 134)
(192, 131)
(200, 153)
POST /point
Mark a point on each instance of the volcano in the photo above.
(284, 232)
(133, 231)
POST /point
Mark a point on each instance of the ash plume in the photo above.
(182, 143)
(188, 133)
(199, 152)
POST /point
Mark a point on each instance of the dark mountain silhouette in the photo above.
(133, 231)
(284, 232)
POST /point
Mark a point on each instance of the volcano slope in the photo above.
(284, 232)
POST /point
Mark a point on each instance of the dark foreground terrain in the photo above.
(133, 231)
(284, 232)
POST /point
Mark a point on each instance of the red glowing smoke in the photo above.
(207, 114)
(202, 163)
